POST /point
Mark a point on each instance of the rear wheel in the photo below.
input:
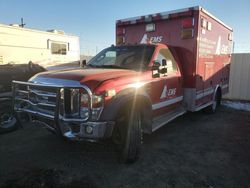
(127, 136)
(215, 103)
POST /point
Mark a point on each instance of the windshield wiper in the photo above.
(107, 66)
(96, 66)
(114, 66)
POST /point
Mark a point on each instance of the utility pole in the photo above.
(233, 46)
(22, 23)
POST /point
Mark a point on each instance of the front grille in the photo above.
(71, 101)
(51, 102)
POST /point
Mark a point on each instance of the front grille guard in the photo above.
(57, 116)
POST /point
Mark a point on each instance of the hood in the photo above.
(92, 77)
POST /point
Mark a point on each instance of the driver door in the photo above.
(167, 88)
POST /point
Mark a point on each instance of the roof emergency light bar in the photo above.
(166, 15)
(156, 17)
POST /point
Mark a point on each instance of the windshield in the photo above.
(124, 57)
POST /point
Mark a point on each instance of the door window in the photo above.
(171, 63)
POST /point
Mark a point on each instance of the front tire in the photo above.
(127, 136)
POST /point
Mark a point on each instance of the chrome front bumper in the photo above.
(92, 131)
(44, 104)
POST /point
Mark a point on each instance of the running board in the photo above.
(159, 121)
(203, 106)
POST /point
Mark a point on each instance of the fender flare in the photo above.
(124, 98)
(218, 87)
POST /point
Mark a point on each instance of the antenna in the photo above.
(22, 23)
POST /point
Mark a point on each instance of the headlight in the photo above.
(84, 99)
(97, 105)
(97, 100)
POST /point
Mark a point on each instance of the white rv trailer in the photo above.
(47, 48)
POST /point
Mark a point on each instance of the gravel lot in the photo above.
(195, 150)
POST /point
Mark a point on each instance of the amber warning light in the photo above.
(187, 28)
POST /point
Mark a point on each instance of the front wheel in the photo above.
(127, 136)
(8, 122)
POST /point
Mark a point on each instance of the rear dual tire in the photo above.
(215, 103)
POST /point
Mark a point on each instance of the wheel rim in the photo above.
(7, 121)
(214, 104)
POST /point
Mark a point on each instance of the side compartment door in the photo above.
(167, 88)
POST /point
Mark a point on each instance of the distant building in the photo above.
(47, 48)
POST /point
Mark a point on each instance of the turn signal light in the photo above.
(187, 33)
(120, 40)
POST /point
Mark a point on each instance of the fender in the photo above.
(124, 98)
(217, 88)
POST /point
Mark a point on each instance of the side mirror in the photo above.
(83, 63)
(164, 70)
(159, 69)
(156, 65)
(164, 62)
(156, 69)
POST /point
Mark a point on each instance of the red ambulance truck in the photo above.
(163, 65)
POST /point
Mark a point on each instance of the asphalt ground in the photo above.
(195, 150)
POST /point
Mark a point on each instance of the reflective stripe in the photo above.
(200, 94)
(207, 92)
(166, 103)
(201, 91)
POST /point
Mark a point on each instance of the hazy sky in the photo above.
(94, 20)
